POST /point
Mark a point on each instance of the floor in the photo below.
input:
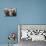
(30, 43)
(7, 45)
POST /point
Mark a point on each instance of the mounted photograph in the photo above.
(10, 11)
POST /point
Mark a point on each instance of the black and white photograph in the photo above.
(10, 11)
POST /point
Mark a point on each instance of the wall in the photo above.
(28, 12)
